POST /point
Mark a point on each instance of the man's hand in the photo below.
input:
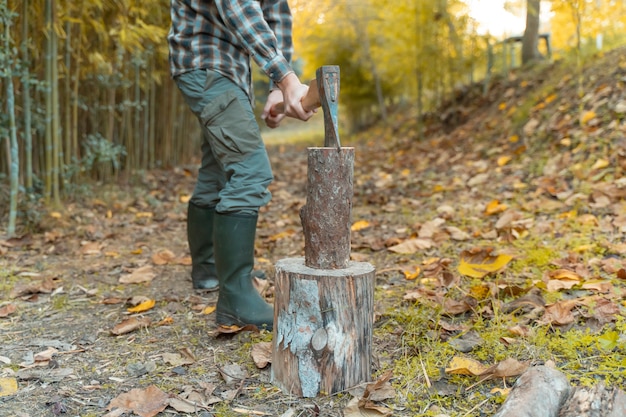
(272, 121)
(293, 93)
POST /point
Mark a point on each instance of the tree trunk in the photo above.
(14, 151)
(28, 136)
(530, 40)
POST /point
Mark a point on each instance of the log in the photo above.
(327, 215)
(538, 392)
(323, 327)
(597, 401)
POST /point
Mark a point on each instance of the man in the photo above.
(211, 43)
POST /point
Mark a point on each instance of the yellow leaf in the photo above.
(109, 214)
(405, 172)
(465, 366)
(412, 275)
(587, 116)
(137, 251)
(438, 188)
(360, 225)
(8, 386)
(208, 310)
(145, 214)
(502, 106)
(145, 306)
(166, 321)
(495, 207)
(55, 214)
(478, 268)
(503, 160)
(184, 198)
(600, 164)
(550, 98)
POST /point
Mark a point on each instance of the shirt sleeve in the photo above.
(255, 26)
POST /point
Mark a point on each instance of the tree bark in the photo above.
(530, 40)
(323, 327)
(327, 215)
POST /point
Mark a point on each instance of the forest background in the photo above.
(87, 94)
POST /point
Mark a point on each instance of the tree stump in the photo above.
(323, 321)
(324, 304)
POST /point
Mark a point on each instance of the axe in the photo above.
(324, 93)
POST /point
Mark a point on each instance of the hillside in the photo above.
(498, 242)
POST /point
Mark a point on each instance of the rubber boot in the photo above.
(239, 303)
(200, 238)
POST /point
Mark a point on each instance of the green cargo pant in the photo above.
(235, 170)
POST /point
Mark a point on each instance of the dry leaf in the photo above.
(91, 248)
(507, 368)
(7, 310)
(262, 354)
(163, 257)
(144, 402)
(559, 313)
(139, 275)
(465, 366)
(221, 329)
(144, 306)
(130, 325)
(176, 359)
(411, 246)
(45, 286)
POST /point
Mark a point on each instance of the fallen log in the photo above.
(538, 392)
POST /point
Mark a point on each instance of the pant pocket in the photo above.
(232, 129)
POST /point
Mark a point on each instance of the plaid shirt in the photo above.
(222, 35)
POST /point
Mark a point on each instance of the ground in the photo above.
(497, 240)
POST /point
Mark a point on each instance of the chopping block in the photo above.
(324, 303)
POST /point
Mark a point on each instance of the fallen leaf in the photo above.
(129, 325)
(45, 286)
(262, 354)
(233, 373)
(559, 313)
(480, 262)
(209, 309)
(465, 366)
(506, 368)
(411, 275)
(587, 116)
(495, 207)
(91, 248)
(139, 275)
(360, 225)
(8, 386)
(144, 306)
(7, 310)
(144, 402)
(411, 246)
(176, 359)
(163, 257)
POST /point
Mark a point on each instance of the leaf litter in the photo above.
(499, 239)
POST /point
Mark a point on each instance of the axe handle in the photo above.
(309, 102)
